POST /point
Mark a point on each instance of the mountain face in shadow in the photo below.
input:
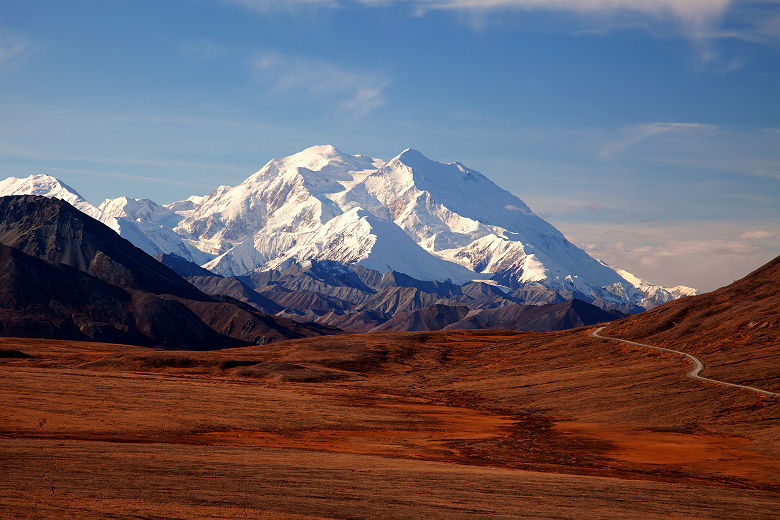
(38, 299)
(364, 300)
(68, 276)
(535, 318)
(58, 233)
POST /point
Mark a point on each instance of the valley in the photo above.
(405, 424)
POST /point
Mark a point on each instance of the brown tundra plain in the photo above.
(394, 425)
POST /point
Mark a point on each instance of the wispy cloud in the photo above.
(757, 234)
(201, 50)
(357, 92)
(283, 5)
(561, 206)
(702, 22)
(701, 254)
(633, 135)
(12, 45)
(752, 21)
(121, 175)
(17, 152)
(696, 16)
(719, 150)
(688, 11)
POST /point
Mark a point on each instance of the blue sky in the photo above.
(648, 131)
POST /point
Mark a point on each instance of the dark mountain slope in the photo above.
(58, 233)
(484, 295)
(393, 300)
(537, 318)
(362, 321)
(216, 285)
(393, 279)
(734, 330)
(38, 299)
(303, 301)
(231, 286)
(743, 314)
(181, 266)
(329, 278)
(150, 301)
(434, 317)
(541, 318)
(240, 320)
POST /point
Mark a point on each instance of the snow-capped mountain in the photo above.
(459, 215)
(290, 211)
(429, 220)
(655, 294)
(149, 226)
(48, 186)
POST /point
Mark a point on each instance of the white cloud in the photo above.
(688, 11)
(752, 21)
(701, 21)
(757, 234)
(282, 5)
(201, 50)
(633, 135)
(11, 45)
(695, 15)
(701, 254)
(563, 206)
(691, 11)
(695, 147)
(121, 175)
(356, 92)
(18, 152)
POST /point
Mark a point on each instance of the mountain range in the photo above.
(365, 300)
(417, 218)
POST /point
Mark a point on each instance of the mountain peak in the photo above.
(317, 157)
(47, 186)
(36, 184)
(410, 157)
(323, 149)
(423, 166)
(323, 159)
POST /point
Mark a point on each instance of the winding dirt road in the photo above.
(698, 366)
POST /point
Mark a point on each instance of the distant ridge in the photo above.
(533, 318)
(748, 308)
(734, 329)
(181, 266)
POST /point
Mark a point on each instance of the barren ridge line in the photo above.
(698, 366)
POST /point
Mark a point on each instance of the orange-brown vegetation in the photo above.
(464, 424)
(733, 330)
